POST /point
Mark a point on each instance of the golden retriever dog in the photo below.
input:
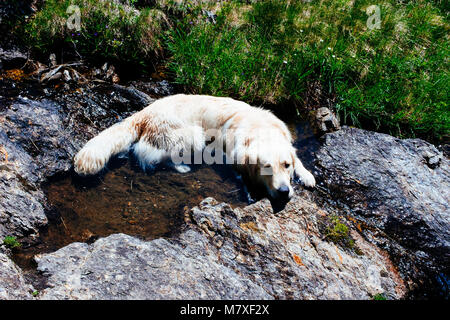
(253, 139)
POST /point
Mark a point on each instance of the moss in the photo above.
(336, 231)
(379, 296)
(11, 242)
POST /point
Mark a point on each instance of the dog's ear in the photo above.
(294, 159)
(296, 162)
(293, 156)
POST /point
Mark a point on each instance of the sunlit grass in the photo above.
(107, 29)
(394, 78)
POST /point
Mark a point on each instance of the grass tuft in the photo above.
(338, 232)
(379, 296)
(108, 29)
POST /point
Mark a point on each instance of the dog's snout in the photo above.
(283, 190)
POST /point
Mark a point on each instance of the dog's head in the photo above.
(271, 162)
(275, 169)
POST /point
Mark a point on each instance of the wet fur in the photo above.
(180, 122)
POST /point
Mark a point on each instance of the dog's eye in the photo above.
(287, 165)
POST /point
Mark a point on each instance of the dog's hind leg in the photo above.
(117, 139)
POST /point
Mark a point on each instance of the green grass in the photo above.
(11, 242)
(393, 79)
(108, 30)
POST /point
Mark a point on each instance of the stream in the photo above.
(125, 199)
(48, 206)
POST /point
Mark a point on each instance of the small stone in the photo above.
(66, 75)
(52, 60)
(326, 120)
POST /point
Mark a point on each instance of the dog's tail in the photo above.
(112, 141)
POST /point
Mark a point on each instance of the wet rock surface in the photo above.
(39, 138)
(12, 57)
(399, 188)
(248, 253)
(12, 283)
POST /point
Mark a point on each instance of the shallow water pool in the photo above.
(125, 199)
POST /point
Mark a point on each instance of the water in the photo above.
(128, 200)
(125, 199)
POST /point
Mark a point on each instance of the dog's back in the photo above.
(184, 122)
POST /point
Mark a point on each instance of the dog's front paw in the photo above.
(307, 178)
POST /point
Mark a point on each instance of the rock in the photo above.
(154, 88)
(21, 209)
(39, 129)
(432, 159)
(210, 16)
(12, 283)
(155, 270)
(52, 61)
(12, 57)
(66, 75)
(39, 140)
(445, 149)
(326, 120)
(222, 253)
(400, 188)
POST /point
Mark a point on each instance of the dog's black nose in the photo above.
(283, 191)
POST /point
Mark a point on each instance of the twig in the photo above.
(64, 224)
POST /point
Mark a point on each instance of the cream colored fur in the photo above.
(261, 142)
